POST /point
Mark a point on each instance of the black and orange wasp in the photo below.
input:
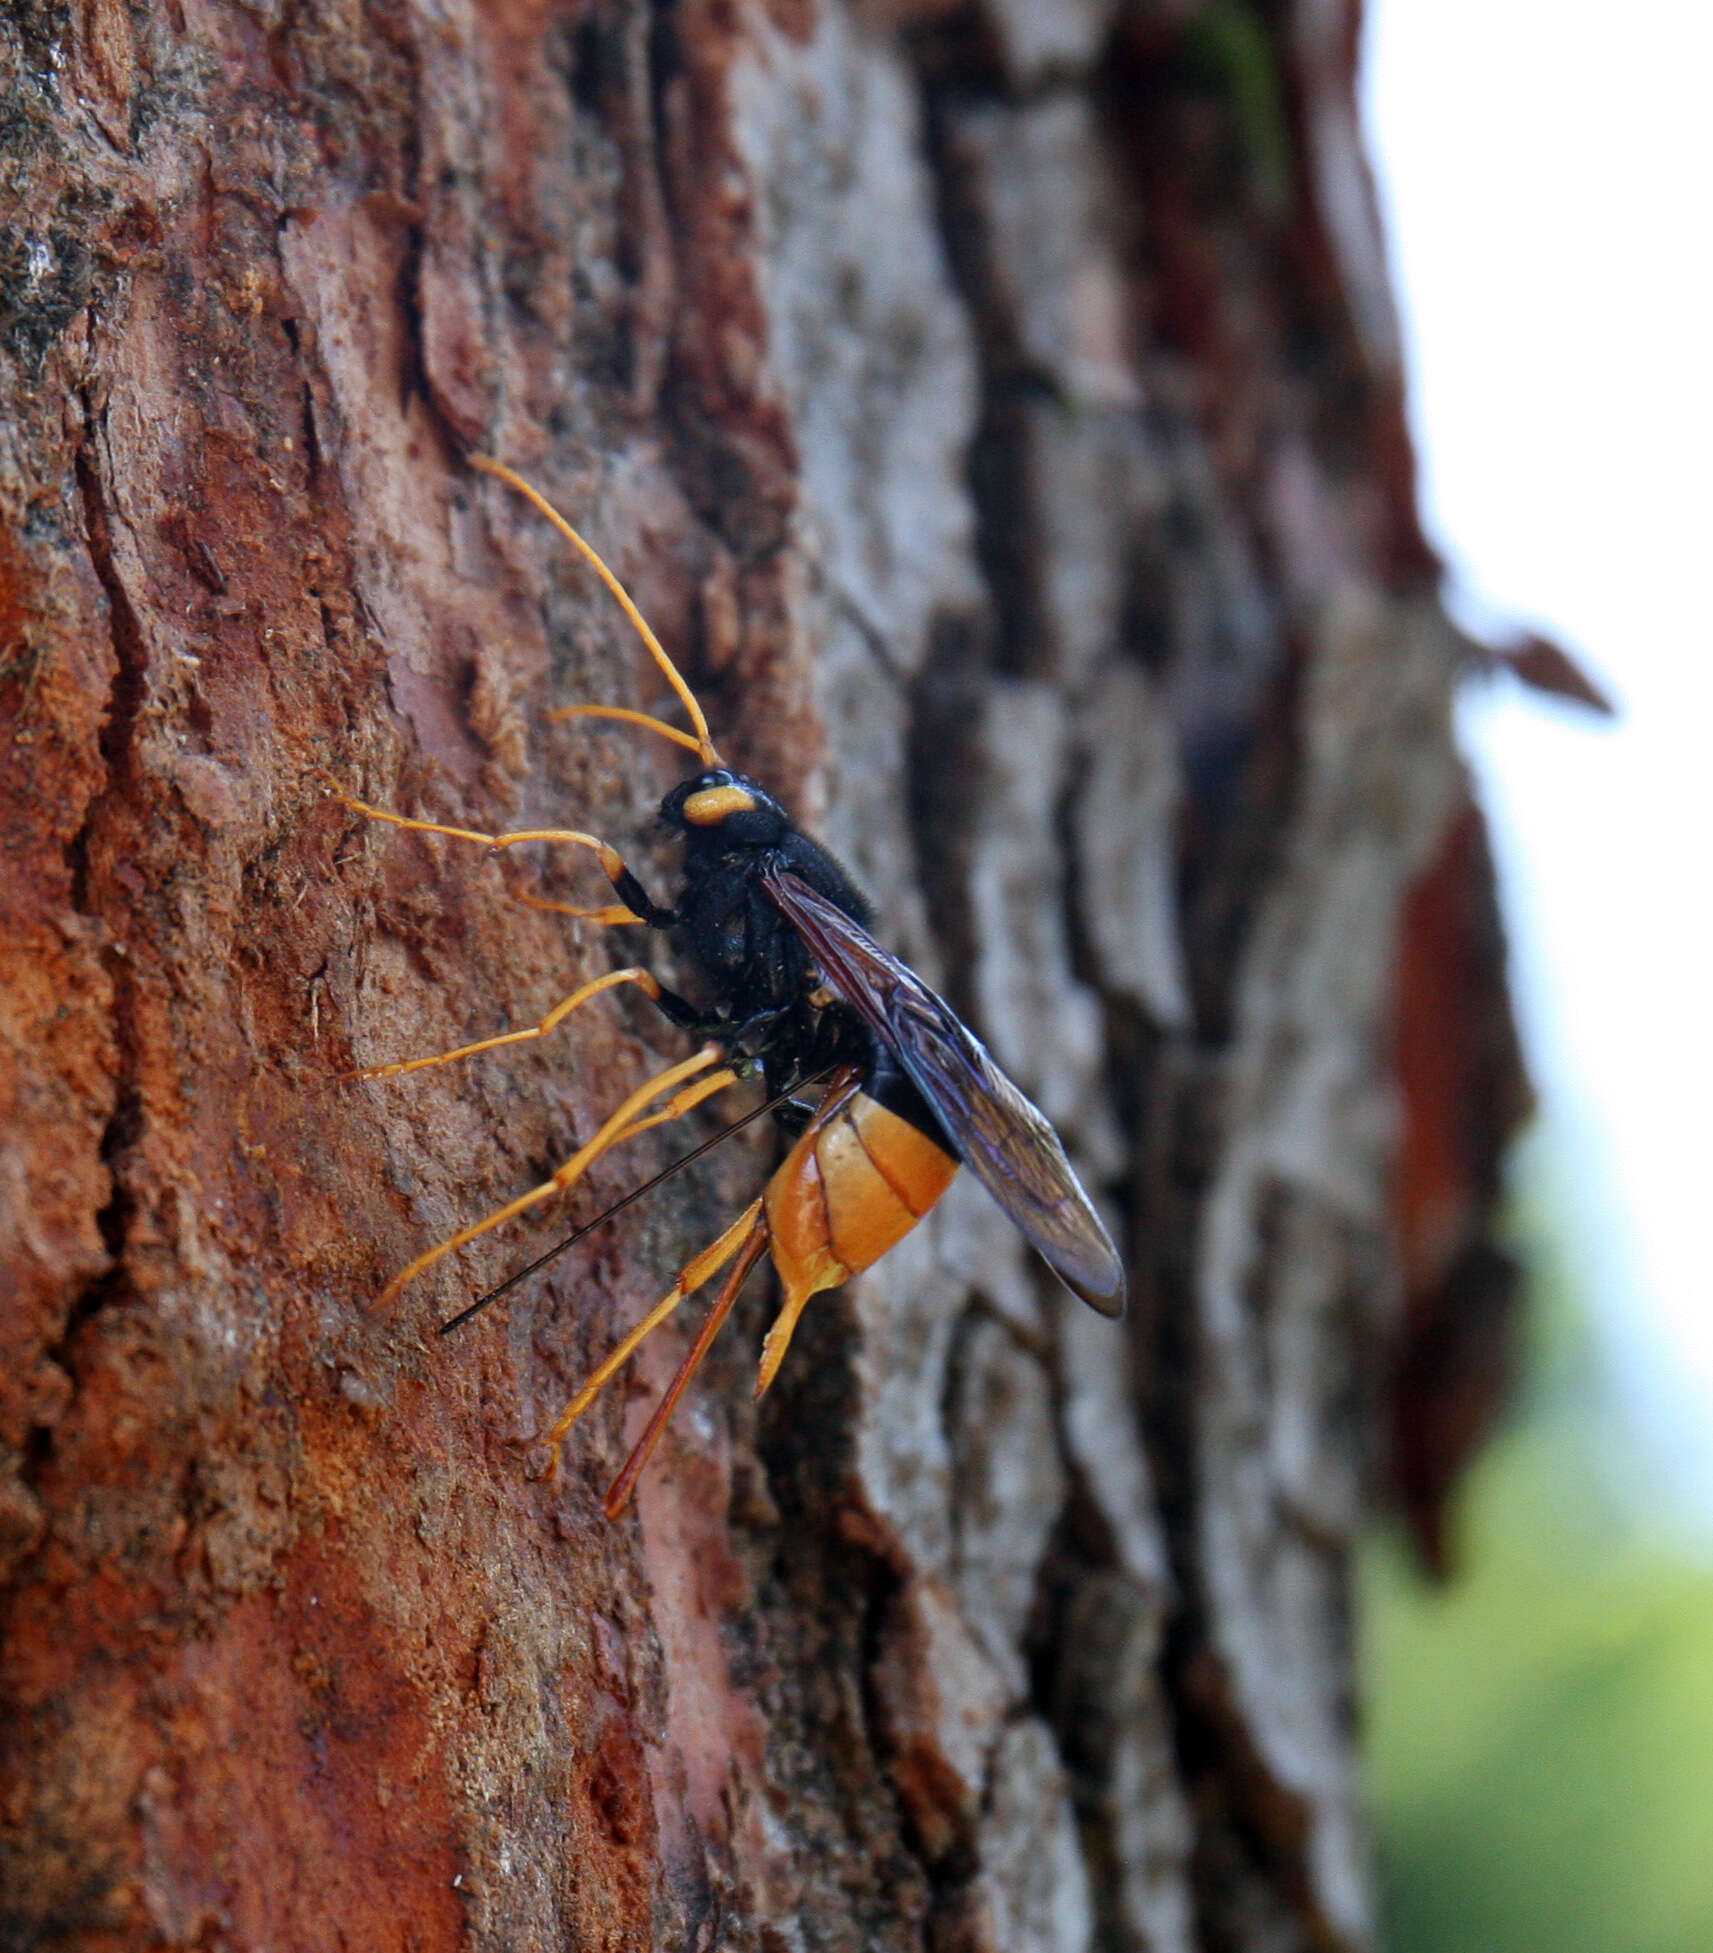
(794, 989)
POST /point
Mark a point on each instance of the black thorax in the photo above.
(761, 996)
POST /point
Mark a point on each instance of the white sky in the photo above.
(1546, 175)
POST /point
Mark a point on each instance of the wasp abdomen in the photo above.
(857, 1181)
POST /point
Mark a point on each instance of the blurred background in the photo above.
(1542, 1728)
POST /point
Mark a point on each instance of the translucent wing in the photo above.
(1004, 1141)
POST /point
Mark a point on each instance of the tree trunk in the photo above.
(997, 410)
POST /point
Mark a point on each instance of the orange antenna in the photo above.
(702, 744)
(561, 713)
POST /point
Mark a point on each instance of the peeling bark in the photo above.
(998, 407)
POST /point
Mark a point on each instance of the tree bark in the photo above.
(997, 408)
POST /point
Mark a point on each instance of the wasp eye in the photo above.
(715, 804)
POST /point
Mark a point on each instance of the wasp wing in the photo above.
(1004, 1141)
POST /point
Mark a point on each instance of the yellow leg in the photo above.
(611, 860)
(612, 913)
(645, 980)
(681, 1102)
(703, 1269)
(755, 1245)
(632, 1117)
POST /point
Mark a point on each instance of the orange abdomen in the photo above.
(856, 1182)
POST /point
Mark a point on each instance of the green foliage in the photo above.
(1541, 1730)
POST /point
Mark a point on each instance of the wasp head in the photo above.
(725, 803)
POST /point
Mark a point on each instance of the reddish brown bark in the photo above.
(998, 409)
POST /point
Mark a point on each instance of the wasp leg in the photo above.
(610, 914)
(687, 1091)
(645, 981)
(703, 1268)
(735, 1036)
(631, 891)
(755, 1245)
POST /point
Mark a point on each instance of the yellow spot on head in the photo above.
(714, 804)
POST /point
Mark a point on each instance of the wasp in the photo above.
(792, 987)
